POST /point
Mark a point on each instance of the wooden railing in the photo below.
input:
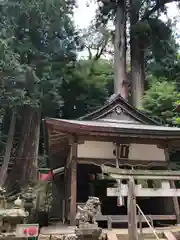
(110, 219)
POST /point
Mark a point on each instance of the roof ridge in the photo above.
(112, 99)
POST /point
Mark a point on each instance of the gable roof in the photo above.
(117, 117)
(128, 110)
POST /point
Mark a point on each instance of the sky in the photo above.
(83, 16)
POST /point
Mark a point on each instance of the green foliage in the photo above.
(160, 101)
(38, 47)
(42, 42)
(39, 66)
(161, 58)
(142, 31)
(90, 86)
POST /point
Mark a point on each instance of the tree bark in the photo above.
(9, 145)
(24, 170)
(137, 75)
(137, 59)
(120, 79)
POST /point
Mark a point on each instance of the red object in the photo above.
(46, 176)
(119, 203)
(32, 231)
(91, 176)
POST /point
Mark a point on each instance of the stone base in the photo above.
(7, 236)
(87, 226)
(91, 232)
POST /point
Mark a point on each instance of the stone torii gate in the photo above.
(131, 190)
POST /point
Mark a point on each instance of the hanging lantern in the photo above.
(119, 202)
(45, 174)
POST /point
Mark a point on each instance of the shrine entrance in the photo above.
(133, 190)
(90, 182)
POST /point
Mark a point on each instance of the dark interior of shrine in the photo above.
(89, 184)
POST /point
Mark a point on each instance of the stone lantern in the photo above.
(3, 203)
(28, 198)
(15, 215)
(2, 206)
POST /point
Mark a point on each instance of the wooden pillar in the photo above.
(120, 199)
(73, 166)
(132, 218)
(172, 185)
(67, 192)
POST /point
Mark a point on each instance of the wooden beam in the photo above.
(124, 218)
(147, 173)
(126, 140)
(120, 199)
(144, 177)
(132, 218)
(144, 192)
(66, 192)
(73, 183)
(129, 162)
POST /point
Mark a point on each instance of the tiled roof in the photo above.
(115, 126)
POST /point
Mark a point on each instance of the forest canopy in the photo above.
(42, 74)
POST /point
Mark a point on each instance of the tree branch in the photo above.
(90, 53)
(100, 52)
(159, 4)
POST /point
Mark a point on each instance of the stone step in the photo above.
(151, 235)
(152, 238)
(172, 235)
(176, 235)
(145, 235)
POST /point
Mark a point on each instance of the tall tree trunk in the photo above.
(25, 166)
(137, 75)
(120, 81)
(137, 58)
(9, 145)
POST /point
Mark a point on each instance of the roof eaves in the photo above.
(73, 127)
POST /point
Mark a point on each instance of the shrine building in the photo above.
(116, 135)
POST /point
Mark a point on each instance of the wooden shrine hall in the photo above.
(119, 136)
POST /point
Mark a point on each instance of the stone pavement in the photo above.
(58, 231)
